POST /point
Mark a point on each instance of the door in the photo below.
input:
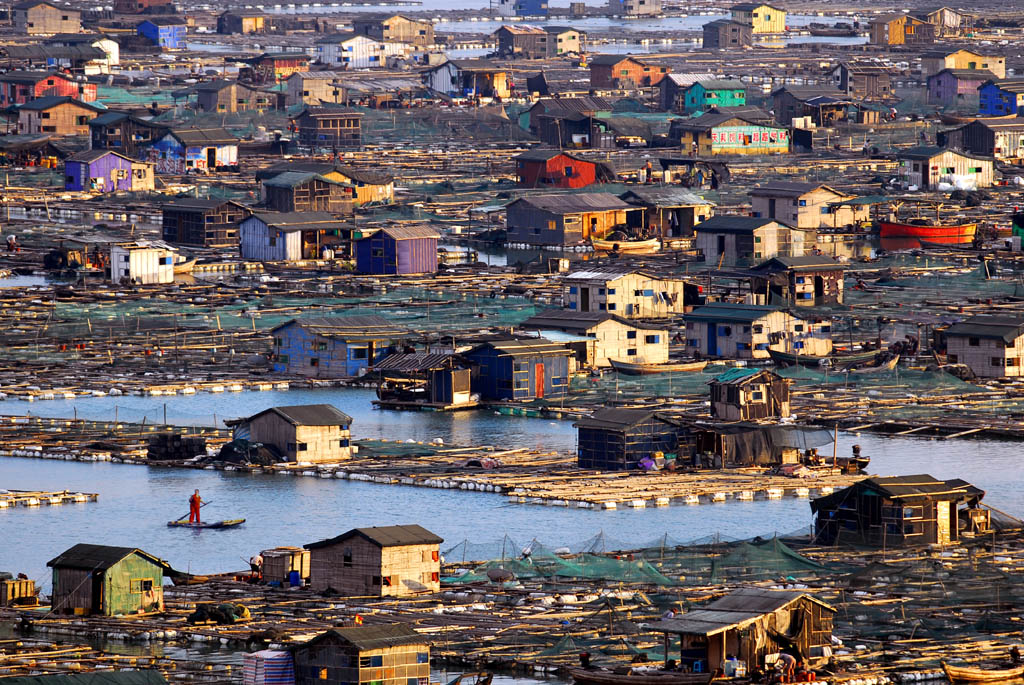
(819, 288)
(538, 376)
(942, 523)
(97, 593)
(584, 299)
(211, 158)
(712, 339)
(771, 208)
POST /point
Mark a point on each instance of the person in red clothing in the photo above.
(194, 502)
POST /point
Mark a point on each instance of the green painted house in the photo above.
(97, 579)
(703, 95)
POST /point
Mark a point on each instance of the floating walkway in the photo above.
(32, 498)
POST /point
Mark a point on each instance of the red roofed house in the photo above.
(557, 169)
(19, 87)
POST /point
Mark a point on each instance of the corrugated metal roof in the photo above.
(735, 375)
(385, 536)
(310, 415)
(736, 610)
(418, 361)
(724, 311)
(732, 224)
(203, 136)
(666, 196)
(575, 202)
(790, 189)
(366, 638)
(367, 327)
(1005, 328)
(409, 232)
(97, 557)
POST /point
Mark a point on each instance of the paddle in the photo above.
(182, 518)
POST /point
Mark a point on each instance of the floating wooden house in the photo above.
(316, 433)
(898, 511)
(144, 262)
(618, 439)
(333, 347)
(810, 281)
(389, 654)
(400, 250)
(742, 394)
(97, 579)
(381, 561)
(202, 222)
(606, 336)
(520, 369)
(629, 293)
(306, 191)
(751, 624)
(106, 171)
(991, 346)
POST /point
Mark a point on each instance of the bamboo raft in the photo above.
(31, 498)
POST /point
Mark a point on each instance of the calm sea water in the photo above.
(136, 501)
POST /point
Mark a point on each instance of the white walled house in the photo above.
(358, 51)
(991, 346)
(142, 262)
(743, 331)
(628, 293)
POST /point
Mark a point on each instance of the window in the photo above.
(757, 238)
(725, 330)
(799, 328)
(611, 307)
(973, 342)
(282, 358)
(803, 203)
(296, 447)
(358, 353)
(951, 358)
(997, 361)
(757, 395)
(611, 291)
(422, 657)
(630, 335)
(164, 261)
(139, 585)
(652, 339)
(631, 352)
(572, 290)
(758, 329)
(70, 179)
(44, 115)
(346, 557)
(1011, 361)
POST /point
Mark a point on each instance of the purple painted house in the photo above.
(956, 87)
(106, 171)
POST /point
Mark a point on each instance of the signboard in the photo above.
(749, 137)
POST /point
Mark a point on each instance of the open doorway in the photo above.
(211, 158)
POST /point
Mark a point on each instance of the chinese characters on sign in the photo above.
(740, 136)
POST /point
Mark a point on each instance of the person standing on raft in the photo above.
(194, 502)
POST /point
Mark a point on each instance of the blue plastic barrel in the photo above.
(293, 578)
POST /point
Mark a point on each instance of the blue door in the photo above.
(713, 339)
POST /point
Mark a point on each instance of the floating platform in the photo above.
(34, 498)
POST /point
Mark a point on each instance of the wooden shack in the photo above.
(898, 511)
(280, 563)
(202, 222)
(330, 127)
(404, 250)
(564, 219)
(381, 561)
(299, 191)
(59, 115)
(614, 439)
(97, 579)
(742, 394)
(315, 433)
(520, 369)
(753, 624)
(388, 654)
(37, 17)
(810, 281)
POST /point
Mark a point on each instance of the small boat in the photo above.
(604, 676)
(954, 234)
(811, 361)
(881, 367)
(627, 246)
(968, 674)
(230, 523)
(184, 266)
(633, 369)
(840, 30)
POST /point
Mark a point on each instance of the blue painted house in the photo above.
(520, 369)
(166, 32)
(999, 97)
(398, 250)
(333, 346)
(106, 171)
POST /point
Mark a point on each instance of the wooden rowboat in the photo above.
(633, 369)
(954, 234)
(968, 674)
(604, 676)
(627, 246)
(185, 267)
(811, 361)
(230, 523)
(881, 368)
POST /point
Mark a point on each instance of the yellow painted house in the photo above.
(370, 186)
(760, 17)
(963, 59)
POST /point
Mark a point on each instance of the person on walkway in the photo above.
(194, 502)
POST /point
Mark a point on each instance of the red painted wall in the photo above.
(20, 93)
(551, 174)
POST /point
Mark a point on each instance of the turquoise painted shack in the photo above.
(703, 95)
(108, 581)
